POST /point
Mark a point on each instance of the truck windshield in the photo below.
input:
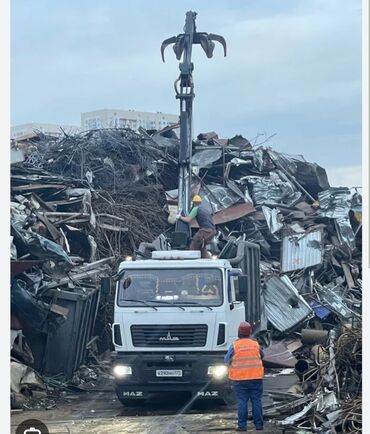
(194, 286)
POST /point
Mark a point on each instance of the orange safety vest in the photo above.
(246, 363)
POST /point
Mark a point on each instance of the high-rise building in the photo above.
(110, 118)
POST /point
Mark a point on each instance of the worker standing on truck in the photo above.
(246, 370)
(207, 229)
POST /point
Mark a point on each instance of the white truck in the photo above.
(175, 314)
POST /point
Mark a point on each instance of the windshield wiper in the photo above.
(195, 303)
(138, 301)
(165, 302)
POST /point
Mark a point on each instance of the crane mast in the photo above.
(184, 88)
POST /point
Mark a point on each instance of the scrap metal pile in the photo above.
(328, 397)
(80, 203)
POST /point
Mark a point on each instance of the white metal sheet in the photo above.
(301, 251)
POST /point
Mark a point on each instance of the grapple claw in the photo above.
(219, 39)
(166, 43)
(192, 37)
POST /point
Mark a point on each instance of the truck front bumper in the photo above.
(148, 374)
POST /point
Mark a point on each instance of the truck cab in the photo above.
(175, 317)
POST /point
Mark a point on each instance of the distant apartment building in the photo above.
(25, 131)
(109, 118)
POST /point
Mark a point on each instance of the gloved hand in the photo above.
(178, 215)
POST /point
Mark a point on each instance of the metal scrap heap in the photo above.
(80, 203)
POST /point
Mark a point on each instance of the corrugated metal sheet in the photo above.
(335, 202)
(285, 308)
(301, 251)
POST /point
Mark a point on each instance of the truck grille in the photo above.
(184, 335)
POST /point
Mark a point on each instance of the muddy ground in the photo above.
(100, 412)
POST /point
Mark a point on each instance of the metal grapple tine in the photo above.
(219, 39)
(166, 43)
(178, 47)
(206, 43)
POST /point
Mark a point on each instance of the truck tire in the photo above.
(229, 398)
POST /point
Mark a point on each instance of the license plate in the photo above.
(168, 373)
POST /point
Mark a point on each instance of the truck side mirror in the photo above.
(243, 286)
(127, 282)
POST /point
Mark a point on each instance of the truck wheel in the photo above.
(229, 398)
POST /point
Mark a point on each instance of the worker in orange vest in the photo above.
(246, 371)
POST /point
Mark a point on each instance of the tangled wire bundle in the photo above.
(349, 362)
(110, 159)
(140, 212)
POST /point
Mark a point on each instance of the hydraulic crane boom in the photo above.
(184, 88)
(176, 315)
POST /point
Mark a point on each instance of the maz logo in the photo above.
(169, 338)
(211, 393)
(132, 393)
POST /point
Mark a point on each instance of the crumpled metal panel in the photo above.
(301, 251)
(285, 308)
(240, 142)
(286, 160)
(232, 185)
(327, 402)
(215, 197)
(205, 158)
(165, 142)
(336, 203)
(264, 190)
(275, 189)
(207, 136)
(345, 232)
(310, 176)
(258, 159)
(273, 219)
(334, 302)
(41, 247)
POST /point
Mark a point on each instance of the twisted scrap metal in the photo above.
(109, 159)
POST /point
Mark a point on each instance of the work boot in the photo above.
(241, 429)
(259, 428)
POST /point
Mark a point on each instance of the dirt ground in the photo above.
(100, 412)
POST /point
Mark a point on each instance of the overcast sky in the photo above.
(293, 68)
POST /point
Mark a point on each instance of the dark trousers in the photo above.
(249, 390)
(200, 239)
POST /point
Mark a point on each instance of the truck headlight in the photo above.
(120, 371)
(218, 371)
